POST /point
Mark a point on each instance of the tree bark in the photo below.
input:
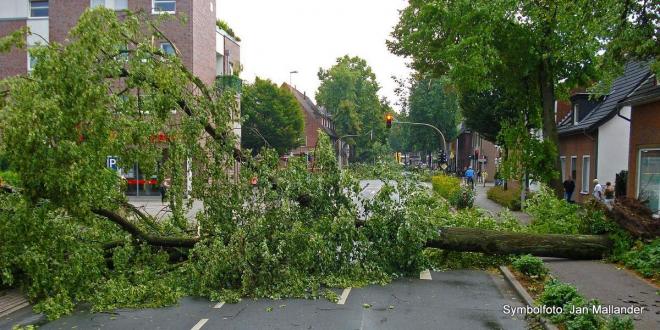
(547, 86)
(585, 247)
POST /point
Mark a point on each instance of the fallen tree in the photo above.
(546, 245)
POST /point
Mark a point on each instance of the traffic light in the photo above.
(388, 119)
(443, 157)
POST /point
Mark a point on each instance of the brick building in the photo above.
(470, 149)
(594, 134)
(644, 151)
(209, 52)
(315, 118)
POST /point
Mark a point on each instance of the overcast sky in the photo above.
(279, 36)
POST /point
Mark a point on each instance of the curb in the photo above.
(522, 292)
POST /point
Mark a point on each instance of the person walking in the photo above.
(609, 194)
(469, 175)
(598, 191)
(484, 176)
(569, 188)
(163, 190)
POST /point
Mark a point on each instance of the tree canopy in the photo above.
(273, 117)
(549, 46)
(432, 102)
(348, 91)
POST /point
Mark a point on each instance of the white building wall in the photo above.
(14, 9)
(613, 145)
(39, 28)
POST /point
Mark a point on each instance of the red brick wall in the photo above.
(64, 15)
(464, 151)
(644, 133)
(489, 150)
(563, 109)
(579, 145)
(15, 62)
(203, 24)
(234, 53)
(180, 35)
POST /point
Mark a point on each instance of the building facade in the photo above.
(470, 149)
(594, 136)
(644, 151)
(206, 50)
(315, 118)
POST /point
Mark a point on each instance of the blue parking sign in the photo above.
(111, 162)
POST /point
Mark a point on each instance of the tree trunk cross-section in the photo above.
(586, 247)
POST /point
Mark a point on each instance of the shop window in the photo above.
(648, 177)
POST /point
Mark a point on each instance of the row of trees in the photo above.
(510, 60)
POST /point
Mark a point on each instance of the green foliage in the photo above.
(530, 265)
(222, 25)
(273, 117)
(452, 189)
(527, 157)
(509, 198)
(349, 91)
(641, 256)
(431, 102)
(555, 216)
(566, 296)
(9, 177)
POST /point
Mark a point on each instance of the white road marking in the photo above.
(425, 275)
(220, 304)
(199, 324)
(344, 296)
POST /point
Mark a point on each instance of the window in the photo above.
(38, 8)
(32, 62)
(574, 167)
(164, 6)
(576, 112)
(167, 48)
(112, 4)
(586, 161)
(648, 177)
(562, 160)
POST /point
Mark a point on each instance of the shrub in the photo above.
(446, 186)
(552, 215)
(530, 265)
(509, 198)
(9, 177)
(638, 255)
(450, 188)
(557, 294)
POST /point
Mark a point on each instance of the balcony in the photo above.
(231, 82)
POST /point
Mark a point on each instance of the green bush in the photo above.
(557, 294)
(638, 255)
(446, 186)
(450, 188)
(552, 215)
(9, 177)
(530, 265)
(509, 198)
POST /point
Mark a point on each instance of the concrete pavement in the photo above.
(481, 200)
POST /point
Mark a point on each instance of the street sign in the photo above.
(443, 166)
(111, 162)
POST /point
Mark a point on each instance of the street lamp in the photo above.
(290, 75)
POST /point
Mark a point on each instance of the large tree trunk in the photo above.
(547, 86)
(495, 242)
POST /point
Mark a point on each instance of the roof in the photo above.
(634, 74)
(648, 91)
(308, 106)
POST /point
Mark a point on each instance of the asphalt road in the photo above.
(462, 299)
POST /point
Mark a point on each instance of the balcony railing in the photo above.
(232, 82)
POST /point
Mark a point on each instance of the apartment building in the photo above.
(209, 52)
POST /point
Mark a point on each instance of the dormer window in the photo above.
(575, 114)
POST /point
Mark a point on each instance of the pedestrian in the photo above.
(484, 176)
(469, 175)
(163, 190)
(569, 188)
(598, 191)
(479, 176)
(609, 194)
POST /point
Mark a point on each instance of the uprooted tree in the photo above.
(68, 233)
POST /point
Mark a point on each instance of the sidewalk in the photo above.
(481, 200)
(596, 279)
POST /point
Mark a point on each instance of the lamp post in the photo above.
(291, 75)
